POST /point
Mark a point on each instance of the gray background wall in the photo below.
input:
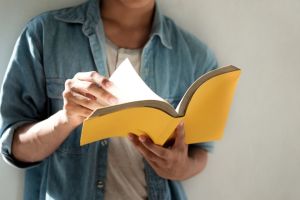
(259, 156)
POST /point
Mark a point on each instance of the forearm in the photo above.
(84, 93)
(34, 142)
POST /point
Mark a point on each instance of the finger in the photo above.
(156, 149)
(78, 110)
(85, 87)
(133, 138)
(91, 104)
(82, 111)
(157, 165)
(147, 154)
(95, 77)
(179, 137)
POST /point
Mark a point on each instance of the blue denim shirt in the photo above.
(53, 47)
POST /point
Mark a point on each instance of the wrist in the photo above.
(66, 122)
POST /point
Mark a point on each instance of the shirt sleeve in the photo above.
(206, 63)
(23, 96)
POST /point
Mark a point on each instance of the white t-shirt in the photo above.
(125, 177)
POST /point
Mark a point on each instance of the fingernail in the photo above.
(113, 100)
(181, 124)
(142, 138)
(180, 128)
(130, 137)
(106, 83)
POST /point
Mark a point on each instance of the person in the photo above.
(58, 74)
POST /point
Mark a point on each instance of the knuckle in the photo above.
(68, 106)
(68, 83)
(77, 75)
(106, 96)
(87, 112)
(87, 103)
(93, 74)
(104, 81)
(66, 94)
(89, 86)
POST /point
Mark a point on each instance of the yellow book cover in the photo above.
(204, 108)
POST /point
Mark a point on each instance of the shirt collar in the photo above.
(88, 14)
(159, 28)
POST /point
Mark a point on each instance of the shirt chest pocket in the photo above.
(55, 88)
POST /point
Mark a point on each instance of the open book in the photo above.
(204, 108)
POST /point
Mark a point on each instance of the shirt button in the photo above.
(100, 184)
(104, 142)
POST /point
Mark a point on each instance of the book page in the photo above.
(129, 86)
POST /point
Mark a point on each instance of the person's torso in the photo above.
(79, 172)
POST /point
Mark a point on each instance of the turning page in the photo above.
(129, 86)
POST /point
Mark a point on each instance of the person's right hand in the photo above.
(84, 93)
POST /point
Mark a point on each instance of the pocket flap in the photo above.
(55, 87)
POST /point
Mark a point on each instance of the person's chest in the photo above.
(167, 72)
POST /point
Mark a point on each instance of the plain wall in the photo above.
(259, 156)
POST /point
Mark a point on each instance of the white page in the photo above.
(128, 85)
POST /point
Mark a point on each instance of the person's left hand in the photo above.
(170, 163)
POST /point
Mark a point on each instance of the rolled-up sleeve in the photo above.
(23, 96)
(6, 145)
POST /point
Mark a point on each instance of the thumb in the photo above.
(179, 137)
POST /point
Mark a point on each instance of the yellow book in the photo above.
(204, 108)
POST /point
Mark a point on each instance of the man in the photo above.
(56, 78)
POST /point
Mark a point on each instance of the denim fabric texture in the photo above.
(53, 47)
